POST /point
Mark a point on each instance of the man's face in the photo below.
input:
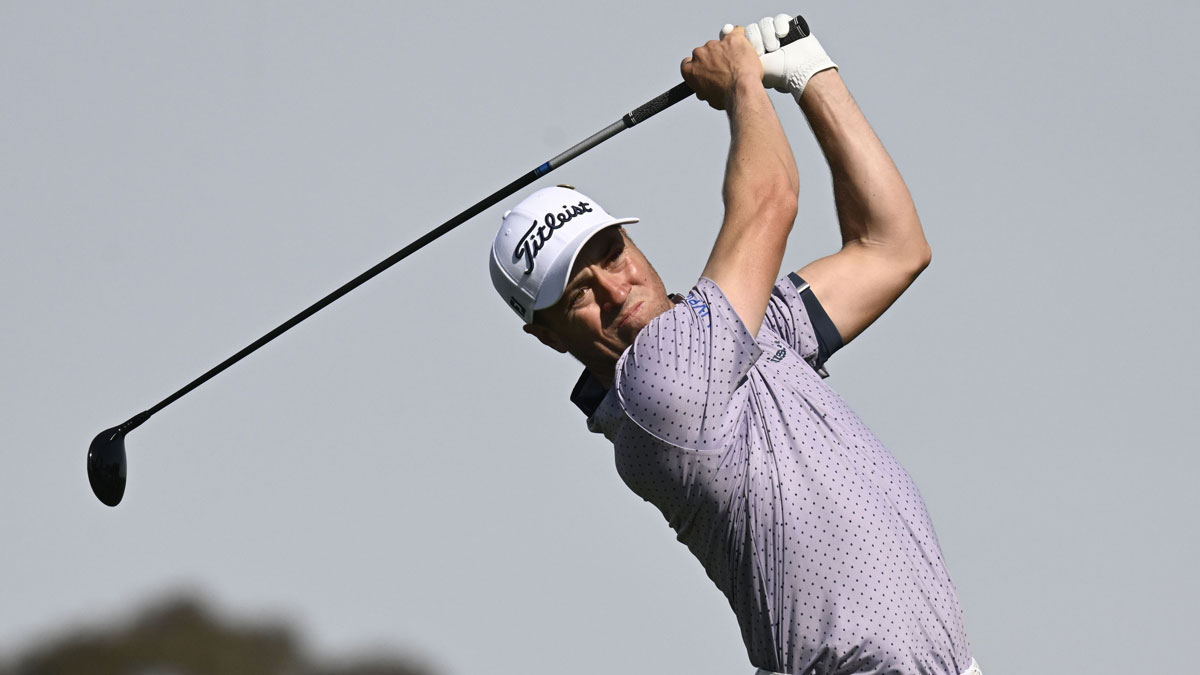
(612, 294)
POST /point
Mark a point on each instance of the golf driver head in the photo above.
(106, 465)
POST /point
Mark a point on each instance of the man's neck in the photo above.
(603, 372)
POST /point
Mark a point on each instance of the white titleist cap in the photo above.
(537, 244)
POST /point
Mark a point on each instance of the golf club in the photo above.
(106, 462)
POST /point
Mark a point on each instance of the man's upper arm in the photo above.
(858, 283)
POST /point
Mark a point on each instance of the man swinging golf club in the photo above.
(716, 403)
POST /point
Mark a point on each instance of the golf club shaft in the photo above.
(638, 115)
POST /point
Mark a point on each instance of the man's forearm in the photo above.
(873, 203)
(760, 158)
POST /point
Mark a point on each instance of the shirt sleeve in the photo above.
(795, 314)
(683, 378)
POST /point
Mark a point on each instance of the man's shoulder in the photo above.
(679, 379)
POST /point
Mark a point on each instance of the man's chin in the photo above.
(639, 317)
(642, 318)
(629, 333)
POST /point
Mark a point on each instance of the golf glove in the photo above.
(789, 68)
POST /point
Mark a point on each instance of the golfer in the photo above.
(716, 403)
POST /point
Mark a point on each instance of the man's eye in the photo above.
(578, 296)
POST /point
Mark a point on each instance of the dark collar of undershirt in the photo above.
(588, 392)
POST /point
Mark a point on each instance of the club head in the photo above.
(106, 465)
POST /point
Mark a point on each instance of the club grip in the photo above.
(798, 30)
(658, 104)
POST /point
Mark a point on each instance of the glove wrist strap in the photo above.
(813, 59)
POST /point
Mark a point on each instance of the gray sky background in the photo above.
(404, 471)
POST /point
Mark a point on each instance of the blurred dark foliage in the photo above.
(180, 636)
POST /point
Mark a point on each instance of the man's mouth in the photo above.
(629, 315)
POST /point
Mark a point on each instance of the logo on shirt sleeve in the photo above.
(697, 304)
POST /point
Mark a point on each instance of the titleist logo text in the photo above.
(539, 233)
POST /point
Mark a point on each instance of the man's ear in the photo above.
(546, 336)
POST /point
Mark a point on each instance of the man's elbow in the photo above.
(781, 203)
(918, 258)
(911, 252)
(923, 256)
(773, 198)
(907, 252)
(767, 212)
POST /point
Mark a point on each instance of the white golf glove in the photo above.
(789, 68)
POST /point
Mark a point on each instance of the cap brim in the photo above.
(560, 273)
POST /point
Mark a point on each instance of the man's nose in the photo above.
(611, 289)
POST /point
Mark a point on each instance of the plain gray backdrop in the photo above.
(404, 471)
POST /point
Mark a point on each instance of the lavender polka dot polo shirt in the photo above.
(812, 530)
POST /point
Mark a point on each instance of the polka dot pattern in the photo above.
(813, 531)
